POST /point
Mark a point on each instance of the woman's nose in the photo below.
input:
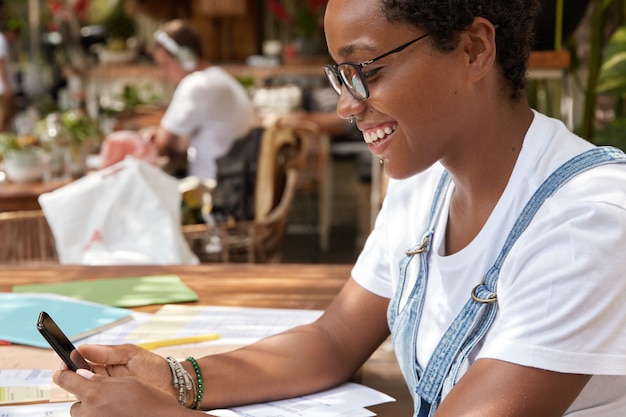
(348, 106)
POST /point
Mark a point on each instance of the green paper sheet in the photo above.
(120, 292)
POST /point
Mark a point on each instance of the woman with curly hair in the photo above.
(496, 262)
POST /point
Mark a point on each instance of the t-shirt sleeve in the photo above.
(371, 269)
(188, 107)
(561, 291)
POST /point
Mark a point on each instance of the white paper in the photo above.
(348, 399)
(37, 410)
(118, 334)
(23, 386)
(25, 377)
(235, 325)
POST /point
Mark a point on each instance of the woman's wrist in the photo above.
(185, 383)
(197, 379)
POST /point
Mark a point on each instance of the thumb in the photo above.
(108, 355)
(85, 373)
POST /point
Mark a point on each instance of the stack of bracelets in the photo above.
(185, 384)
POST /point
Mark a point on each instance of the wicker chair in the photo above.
(257, 240)
(25, 237)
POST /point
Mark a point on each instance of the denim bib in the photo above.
(430, 385)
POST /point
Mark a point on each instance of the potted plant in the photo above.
(121, 30)
(83, 135)
(22, 157)
(66, 139)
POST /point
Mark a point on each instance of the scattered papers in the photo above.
(37, 410)
(235, 325)
(346, 400)
(21, 386)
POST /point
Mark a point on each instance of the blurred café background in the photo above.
(85, 71)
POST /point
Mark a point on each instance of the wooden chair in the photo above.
(256, 240)
(314, 179)
(25, 237)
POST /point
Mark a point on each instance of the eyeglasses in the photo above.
(351, 73)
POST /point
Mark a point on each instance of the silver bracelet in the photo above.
(180, 379)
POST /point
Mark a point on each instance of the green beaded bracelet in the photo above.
(196, 369)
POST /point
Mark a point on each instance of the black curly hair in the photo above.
(444, 19)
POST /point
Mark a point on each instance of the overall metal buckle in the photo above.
(492, 298)
(421, 249)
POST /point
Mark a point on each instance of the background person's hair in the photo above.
(444, 19)
(185, 35)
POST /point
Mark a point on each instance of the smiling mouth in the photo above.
(379, 134)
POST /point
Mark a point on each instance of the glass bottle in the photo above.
(55, 143)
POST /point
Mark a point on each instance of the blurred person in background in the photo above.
(9, 33)
(209, 109)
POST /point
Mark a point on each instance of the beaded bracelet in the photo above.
(200, 392)
(178, 380)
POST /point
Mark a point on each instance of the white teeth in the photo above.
(373, 136)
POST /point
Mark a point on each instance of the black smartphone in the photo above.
(60, 343)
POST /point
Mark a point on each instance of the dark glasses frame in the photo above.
(337, 77)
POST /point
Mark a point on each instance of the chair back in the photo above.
(279, 149)
(256, 240)
(25, 237)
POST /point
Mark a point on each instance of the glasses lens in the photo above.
(333, 78)
(352, 77)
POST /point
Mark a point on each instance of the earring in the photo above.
(351, 119)
(381, 161)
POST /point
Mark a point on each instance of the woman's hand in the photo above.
(118, 396)
(130, 360)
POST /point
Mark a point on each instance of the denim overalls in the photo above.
(430, 385)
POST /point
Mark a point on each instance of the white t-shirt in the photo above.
(5, 55)
(213, 110)
(561, 290)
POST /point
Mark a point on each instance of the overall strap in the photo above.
(420, 249)
(403, 321)
(480, 310)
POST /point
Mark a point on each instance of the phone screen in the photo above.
(60, 343)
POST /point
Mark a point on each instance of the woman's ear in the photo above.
(480, 47)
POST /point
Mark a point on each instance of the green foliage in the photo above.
(131, 97)
(80, 127)
(247, 80)
(119, 24)
(613, 134)
(612, 79)
(11, 141)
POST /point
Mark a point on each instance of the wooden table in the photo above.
(244, 285)
(23, 196)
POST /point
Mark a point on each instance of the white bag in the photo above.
(128, 213)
